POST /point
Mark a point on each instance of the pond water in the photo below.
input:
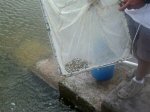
(24, 41)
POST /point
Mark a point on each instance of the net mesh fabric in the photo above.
(93, 31)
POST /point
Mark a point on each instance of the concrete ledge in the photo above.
(89, 95)
(86, 93)
(73, 99)
(48, 71)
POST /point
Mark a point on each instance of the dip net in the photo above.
(86, 34)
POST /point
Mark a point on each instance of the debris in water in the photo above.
(76, 65)
(13, 104)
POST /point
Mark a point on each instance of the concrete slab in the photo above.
(89, 95)
(139, 103)
(86, 93)
(47, 70)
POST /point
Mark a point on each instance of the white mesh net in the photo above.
(87, 33)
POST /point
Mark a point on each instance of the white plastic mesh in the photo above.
(94, 31)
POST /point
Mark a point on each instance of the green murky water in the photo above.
(23, 41)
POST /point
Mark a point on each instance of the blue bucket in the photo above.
(103, 73)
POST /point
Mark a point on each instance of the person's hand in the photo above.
(131, 4)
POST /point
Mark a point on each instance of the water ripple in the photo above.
(23, 41)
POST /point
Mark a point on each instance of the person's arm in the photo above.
(147, 1)
(132, 4)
